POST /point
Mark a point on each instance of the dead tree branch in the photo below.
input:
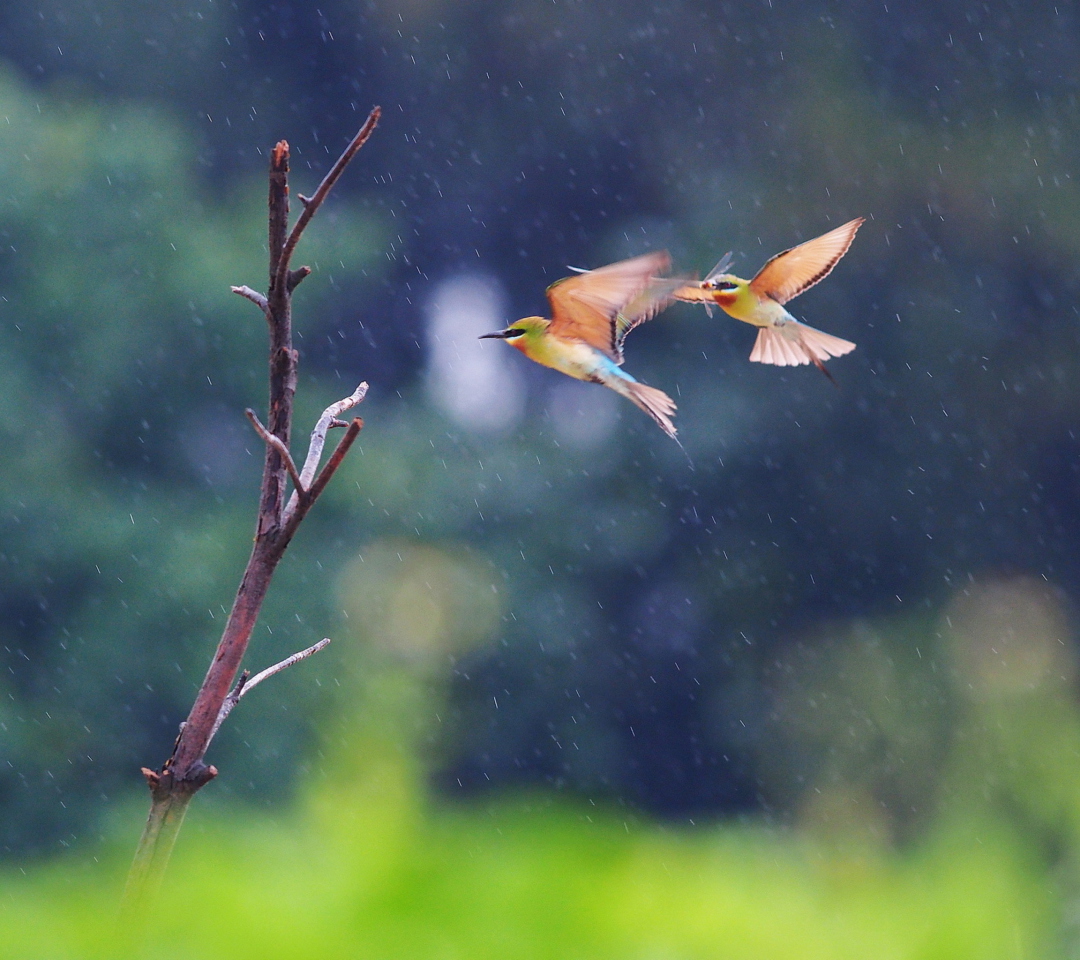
(328, 420)
(280, 447)
(293, 517)
(312, 204)
(186, 771)
(254, 296)
(247, 682)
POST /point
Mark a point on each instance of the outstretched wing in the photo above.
(790, 273)
(585, 307)
(658, 295)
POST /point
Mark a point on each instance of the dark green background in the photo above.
(664, 637)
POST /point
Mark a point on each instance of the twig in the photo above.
(279, 205)
(298, 507)
(295, 276)
(254, 296)
(313, 203)
(331, 465)
(283, 665)
(328, 420)
(282, 450)
(247, 682)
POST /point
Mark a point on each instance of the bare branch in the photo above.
(254, 296)
(228, 703)
(298, 507)
(279, 206)
(313, 203)
(353, 399)
(295, 276)
(328, 420)
(334, 462)
(186, 771)
(280, 447)
(283, 362)
(244, 684)
(284, 665)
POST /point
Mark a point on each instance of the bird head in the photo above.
(719, 286)
(520, 332)
(725, 288)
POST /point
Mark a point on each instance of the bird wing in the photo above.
(659, 294)
(721, 268)
(791, 272)
(586, 307)
(693, 293)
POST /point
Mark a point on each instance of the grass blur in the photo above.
(368, 869)
(367, 863)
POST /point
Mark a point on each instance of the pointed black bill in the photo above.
(501, 335)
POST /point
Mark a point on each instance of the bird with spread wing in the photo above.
(781, 339)
(591, 314)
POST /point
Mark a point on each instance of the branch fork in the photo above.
(247, 682)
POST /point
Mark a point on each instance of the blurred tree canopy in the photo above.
(772, 632)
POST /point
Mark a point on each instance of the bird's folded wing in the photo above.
(585, 306)
(791, 272)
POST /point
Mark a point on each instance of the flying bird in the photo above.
(591, 314)
(781, 339)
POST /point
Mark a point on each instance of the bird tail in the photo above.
(655, 403)
(792, 343)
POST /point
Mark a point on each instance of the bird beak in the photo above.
(501, 335)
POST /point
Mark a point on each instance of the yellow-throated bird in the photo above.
(781, 339)
(591, 314)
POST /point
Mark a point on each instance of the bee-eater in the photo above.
(591, 314)
(781, 339)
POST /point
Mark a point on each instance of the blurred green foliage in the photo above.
(524, 879)
(367, 866)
